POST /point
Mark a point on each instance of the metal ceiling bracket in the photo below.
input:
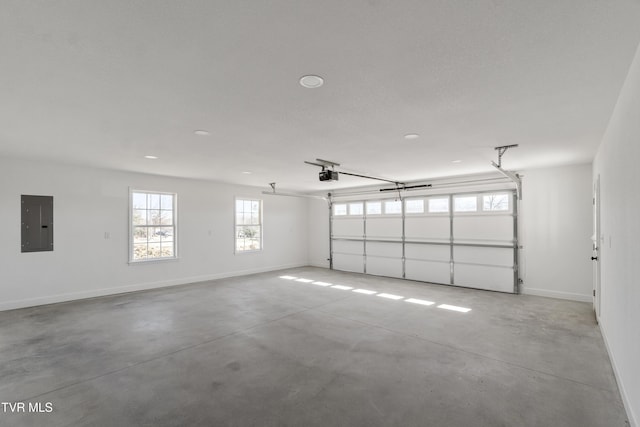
(501, 150)
(512, 176)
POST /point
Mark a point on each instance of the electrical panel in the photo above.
(37, 223)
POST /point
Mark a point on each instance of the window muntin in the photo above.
(414, 206)
(248, 233)
(356, 208)
(495, 202)
(339, 209)
(438, 205)
(465, 203)
(374, 208)
(392, 207)
(153, 226)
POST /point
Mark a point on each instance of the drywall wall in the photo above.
(555, 232)
(91, 202)
(616, 162)
(318, 221)
(554, 229)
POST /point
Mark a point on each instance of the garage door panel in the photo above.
(480, 255)
(428, 252)
(484, 277)
(348, 262)
(383, 266)
(384, 249)
(490, 228)
(384, 228)
(348, 227)
(349, 247)
(423, 227)
(428, 271)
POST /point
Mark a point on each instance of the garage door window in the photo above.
(340, 209)
(393, 207)
(439, 205)
(465, 204)
(495, 202)
(374, 208)
(414, 206)
(355, 209)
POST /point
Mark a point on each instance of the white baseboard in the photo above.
(73, 296)
(633, 420)
(556, 294)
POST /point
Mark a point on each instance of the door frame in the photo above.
(596, 256)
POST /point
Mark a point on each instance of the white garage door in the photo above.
(465, 239)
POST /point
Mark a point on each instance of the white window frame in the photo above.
(174, 225)
(236, 225)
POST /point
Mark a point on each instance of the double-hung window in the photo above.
(153, 228)
(248, 231)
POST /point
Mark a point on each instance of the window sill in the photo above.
(153, 261)
(254, 251)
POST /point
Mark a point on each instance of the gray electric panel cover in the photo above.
(37, 223)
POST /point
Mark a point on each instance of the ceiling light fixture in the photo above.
(411, 136)
(202, 132)
(151, 157)
(247, 172)
(456, 161)
(311, 81)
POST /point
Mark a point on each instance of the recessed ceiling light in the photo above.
(411, 136)
(247, 172)
(456, 161)
(311, 81)
(151, 157)
(202, 132)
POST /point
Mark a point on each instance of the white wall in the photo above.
(318, 218)
(89, 202)
(556, 227)
(616, 163)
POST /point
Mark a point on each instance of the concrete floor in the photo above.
(265, 351)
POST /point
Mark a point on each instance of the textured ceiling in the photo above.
(105, 83)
